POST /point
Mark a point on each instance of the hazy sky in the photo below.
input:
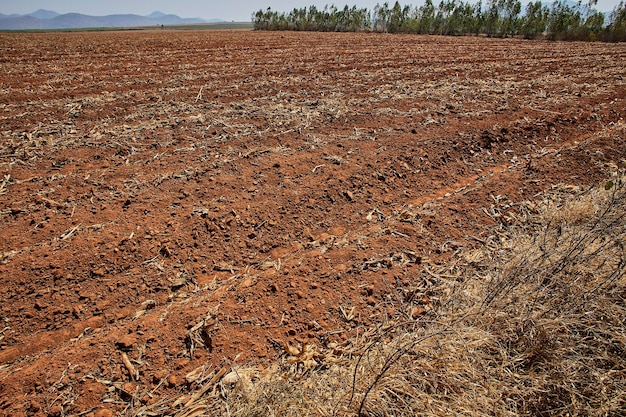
(208, 9)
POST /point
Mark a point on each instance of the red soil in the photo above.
(190, 198)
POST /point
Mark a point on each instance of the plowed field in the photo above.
(177, 200)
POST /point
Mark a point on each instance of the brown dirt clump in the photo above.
(181, 200)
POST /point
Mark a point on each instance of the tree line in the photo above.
(563, 20)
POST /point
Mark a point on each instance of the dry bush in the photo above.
(557, 307)
(531, 323)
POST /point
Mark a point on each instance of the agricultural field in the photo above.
(178, 205)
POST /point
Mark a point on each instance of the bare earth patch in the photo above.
(176, 204)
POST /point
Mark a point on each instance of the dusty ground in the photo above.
(185, 199)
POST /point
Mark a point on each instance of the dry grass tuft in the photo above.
(531, 323)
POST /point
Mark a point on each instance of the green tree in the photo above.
(464, 16)
(478, 18)
(491, 18)
(534, 22)
(444, 11)
(456, 17)
(509, 12)
(426, 18)
(564, 20)
(397, 18)
(616, 30)
(260, 21)
(381, 17)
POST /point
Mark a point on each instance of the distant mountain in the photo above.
(155, 15)
(44, 14)
(47, 19)
(21, 22)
